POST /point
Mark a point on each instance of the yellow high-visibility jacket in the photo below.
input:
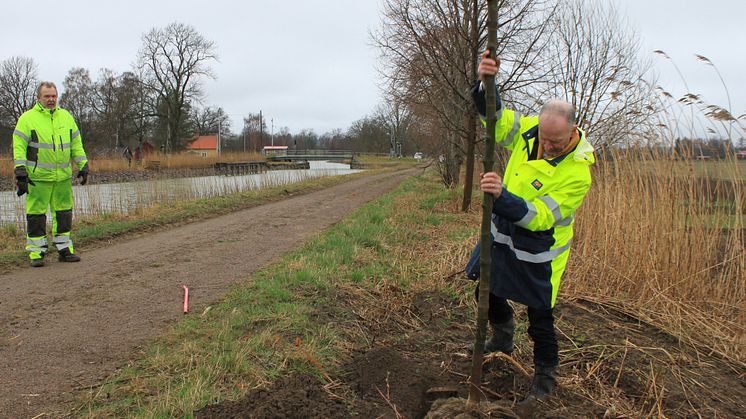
(45, 141)
(532, 222)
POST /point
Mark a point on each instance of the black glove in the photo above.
(22, 180)
(83, 174)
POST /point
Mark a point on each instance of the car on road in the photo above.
(418, 156)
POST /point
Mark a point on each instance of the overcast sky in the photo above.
(714, 29)
(308, 64)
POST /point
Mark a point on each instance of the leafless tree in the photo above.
(429, 51)
(104, 102)
(78, 100)
(143, 116)
(307, 139)
(600, 71)
(333, 140)
(254, 130)
(173, 60)
(370, 134)
(209, 120)
(115, 102)
(18, 82)
(398, 120)
(127, 109)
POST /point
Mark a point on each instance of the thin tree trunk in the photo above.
(485, 259)
(472, 119)
(471, 137)
(471, 129)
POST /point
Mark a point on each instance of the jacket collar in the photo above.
(43, 109)
(584, 152)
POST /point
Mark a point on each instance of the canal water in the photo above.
(124, 197)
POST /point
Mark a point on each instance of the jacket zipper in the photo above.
(51, 114)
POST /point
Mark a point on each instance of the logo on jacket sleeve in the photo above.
(536, 184)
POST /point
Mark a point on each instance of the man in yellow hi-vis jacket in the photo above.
(545, 181)
(46, 142)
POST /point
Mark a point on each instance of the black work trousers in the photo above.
(540, 329)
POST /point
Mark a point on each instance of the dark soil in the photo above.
(295, 396)
(387, 381)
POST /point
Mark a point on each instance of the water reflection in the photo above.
(123, 197)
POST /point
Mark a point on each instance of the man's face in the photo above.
(48, 97)
(554, 134)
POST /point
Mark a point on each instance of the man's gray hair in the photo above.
(45, 84)
(560, 108)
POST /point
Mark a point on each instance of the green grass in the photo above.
(726, 170)
(713, 169)
(291, 316)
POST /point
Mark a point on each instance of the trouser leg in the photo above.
(541, 331)
(36, 235)
(62, 215)
(499, 309)
(502, 324)
(37, 203)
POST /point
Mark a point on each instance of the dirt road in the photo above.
(64, 327)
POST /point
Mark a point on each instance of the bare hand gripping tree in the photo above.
(172, 60)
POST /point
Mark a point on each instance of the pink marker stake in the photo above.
(186, 299)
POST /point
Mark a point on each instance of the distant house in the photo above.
(741, 154)
(204, 145)
(275, 150)
(143, 150)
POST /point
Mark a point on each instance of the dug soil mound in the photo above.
(394, 382)
(295, 396)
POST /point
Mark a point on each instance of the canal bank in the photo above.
(141, 174)
(123, 197)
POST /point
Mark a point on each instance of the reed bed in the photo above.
(664, 243)
(167, 161)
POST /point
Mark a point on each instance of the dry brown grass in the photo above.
(666, 246)
(172, 161)
(635, 371)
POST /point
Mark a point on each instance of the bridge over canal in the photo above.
(313, 155)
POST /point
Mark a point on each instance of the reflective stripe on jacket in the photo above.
(532, 223)
(46, 142)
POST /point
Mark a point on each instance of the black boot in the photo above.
(66, 256)
(502, 337)
(545, 377)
